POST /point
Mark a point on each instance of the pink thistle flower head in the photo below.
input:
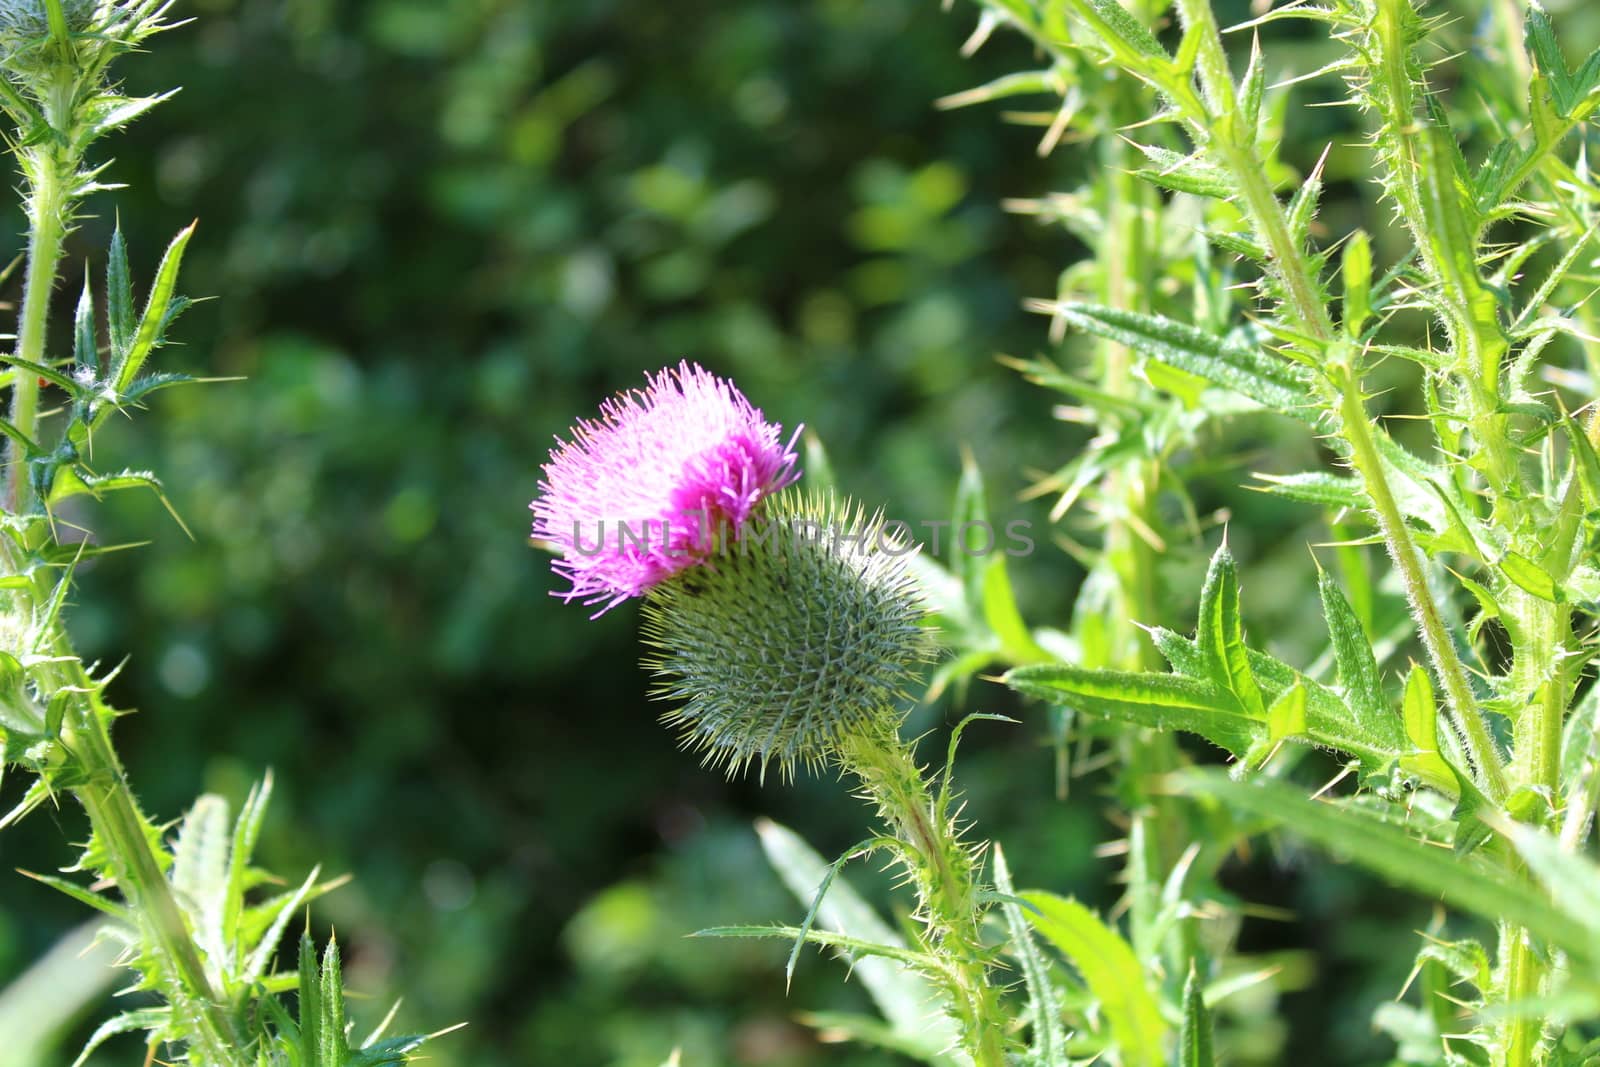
(650, 487)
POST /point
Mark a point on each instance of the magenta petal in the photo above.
(638, 494)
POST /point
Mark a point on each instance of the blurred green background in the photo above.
(436, 232)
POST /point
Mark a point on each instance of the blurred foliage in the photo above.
(435, 233)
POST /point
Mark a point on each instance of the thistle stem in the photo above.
(1464, 712)
(943, 871)
(47, 206)
(108, 799)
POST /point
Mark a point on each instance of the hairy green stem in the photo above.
(108, 799)
(943, 871)
(1464, 711)
(1235, 148)
(48, 205)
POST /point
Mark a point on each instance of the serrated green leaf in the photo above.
(859, 951)
(1109, 969)
(1358, 667)
(333, 1044)
(1401, 859)
(1049, 1043)
(148, 334)
(1220, 634)
(1163, 701)
(94, 900)
(200, 875)
(1246, 370)
(85, 349)
(310, 1006)
(1132, 44)
(261, 954)
(1186, 174)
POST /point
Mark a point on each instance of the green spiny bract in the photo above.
(803, 632)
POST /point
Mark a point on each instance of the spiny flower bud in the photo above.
(802, 632)
(30, 18)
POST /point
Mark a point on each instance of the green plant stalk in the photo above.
(1540, 629)
(1147, 755)
(942, 869)
(1235, 149)
(1447, 665)
(114, 814)
(103, 791)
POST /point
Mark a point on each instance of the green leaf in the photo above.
(1195, 1044)
(246, 832)
(333, 1044)
(1244, 369)
(1220, 635)
(1186, 174)
(1129, 41)
(1320, 488)
(311, 1010)
(857, 950)
(1163, 701)
(1001, 613)
(84, 896)
(1287, 716)
(1401, 859)
(200, 875)
(1530, 577)
(902, 995)
(1251, 89)
(119, 298)
(1110, 970)
(1049, 1044)
(1358, 667)
(155, 312)
(85, 349)
(1355, 268)
(281, 911)
(155, 1020)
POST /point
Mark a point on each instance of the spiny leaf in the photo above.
(155, 312)
(1220, 636)
(1111, 971)
(1358, 667)
(155, 1020)
(1049, 1038)
(119, 298)
(1246, 370)
(903, 996)
(1402, 859)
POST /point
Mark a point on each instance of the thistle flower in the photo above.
(802, 633)
(649, 488)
